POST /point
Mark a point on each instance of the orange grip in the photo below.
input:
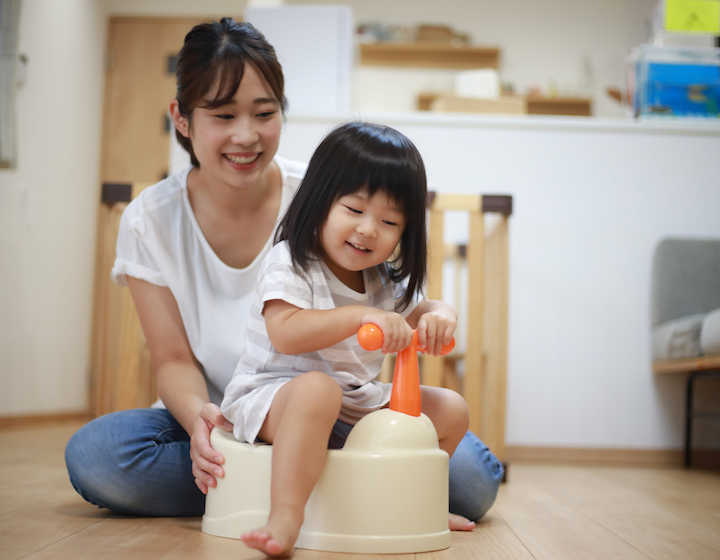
(446, 348)
(405, 396)
(370, 338)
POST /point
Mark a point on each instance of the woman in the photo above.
(188, 249)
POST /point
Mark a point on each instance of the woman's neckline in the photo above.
(201, 235)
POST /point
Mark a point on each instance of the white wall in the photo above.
(590, 204)
(48, 210)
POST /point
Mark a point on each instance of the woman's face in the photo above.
(236, 143)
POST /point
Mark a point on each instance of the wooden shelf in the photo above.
(685, 365)
(429, 55)
(531, 105)
(572, 106)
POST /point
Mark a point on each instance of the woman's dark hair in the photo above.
(216, 54)
(354, 157)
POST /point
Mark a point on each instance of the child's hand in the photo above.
(397, 334)
(434, 330)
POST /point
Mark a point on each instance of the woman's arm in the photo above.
(180, 383)
(435, 322)
(298, 331)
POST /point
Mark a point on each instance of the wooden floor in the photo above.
(543, 512)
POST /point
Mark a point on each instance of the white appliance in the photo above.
(314, 44)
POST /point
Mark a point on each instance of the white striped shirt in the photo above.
(262, 370)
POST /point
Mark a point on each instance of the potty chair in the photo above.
(385, 491)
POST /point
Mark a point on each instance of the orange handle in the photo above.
(405, 395)
(370, 338)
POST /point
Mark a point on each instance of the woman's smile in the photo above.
(243, 162)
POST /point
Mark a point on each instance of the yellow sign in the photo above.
(693, 16)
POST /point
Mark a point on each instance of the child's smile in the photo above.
(359, 247)
(361, 231)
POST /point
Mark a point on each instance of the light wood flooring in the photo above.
(543, 512)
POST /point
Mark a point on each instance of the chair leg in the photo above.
(691, 413)
(689, 419)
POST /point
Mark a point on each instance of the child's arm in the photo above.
(298, 331)
(435, 322)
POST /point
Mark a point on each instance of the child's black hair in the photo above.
(362, 156)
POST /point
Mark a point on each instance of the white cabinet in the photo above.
(315, 47)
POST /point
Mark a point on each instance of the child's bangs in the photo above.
(390, 176)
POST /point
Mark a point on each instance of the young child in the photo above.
(350, 250)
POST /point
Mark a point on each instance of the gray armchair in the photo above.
(686, 316)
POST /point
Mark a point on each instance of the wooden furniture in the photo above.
(440, 34)
(122, 372)
(429, 54)
(570, 106)
(702, 363)
(484, 314)
(506, 104)
(704, 367)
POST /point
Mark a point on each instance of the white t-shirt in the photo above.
(262, 370)
(161, 242)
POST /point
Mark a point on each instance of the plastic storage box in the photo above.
(674, 82)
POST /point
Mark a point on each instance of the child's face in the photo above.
(236, 143)
(360, 232)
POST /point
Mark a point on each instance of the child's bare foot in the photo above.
(277, 538)
(459, 523)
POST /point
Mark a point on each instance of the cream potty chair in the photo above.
(386, 491)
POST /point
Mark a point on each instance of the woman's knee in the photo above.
(88, 457)
(134, 462)
(475, 477)
(88, 446)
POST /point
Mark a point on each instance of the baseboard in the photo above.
(16, 421)
(595, 456)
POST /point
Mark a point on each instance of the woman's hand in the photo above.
(206, 461)
(397, 334)
(435, 329)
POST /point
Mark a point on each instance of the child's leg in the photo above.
(449, 414)
(298, 425)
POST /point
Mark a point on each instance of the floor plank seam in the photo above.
(171, 553)
(544, 488)
(501, 518)
(63, 538)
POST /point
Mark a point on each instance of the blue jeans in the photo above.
(137, 462)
